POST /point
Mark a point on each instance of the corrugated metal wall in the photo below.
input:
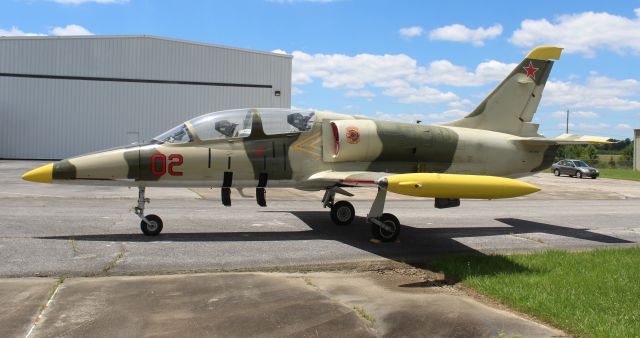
(636, 147)
(56, 118)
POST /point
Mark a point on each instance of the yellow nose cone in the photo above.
(43, 174)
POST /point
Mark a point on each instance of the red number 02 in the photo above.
(159, 164)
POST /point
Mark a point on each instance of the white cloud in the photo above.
(460, 33)
(460, 104)
(597, 92)
(70, 30)
(296, 91)
(359, 93)
(80, 2)
(412, 118)
(582, 33)
(279, 51)
(623, 126)
(397, 75)
(446, 73)
(579, 113)
(411, 32)
(58, 31)
(420, 95)
(354, 72)
(15, 31)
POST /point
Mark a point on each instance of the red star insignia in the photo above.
(531, 70)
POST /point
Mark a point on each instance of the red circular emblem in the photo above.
(353, 135)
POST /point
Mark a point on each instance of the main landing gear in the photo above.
(342, 212)
(151, 225)
(384, 227)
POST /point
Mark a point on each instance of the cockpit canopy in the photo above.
(239, 123)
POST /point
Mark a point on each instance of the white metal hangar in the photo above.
(64, 96)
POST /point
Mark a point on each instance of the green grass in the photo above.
(623, 174)
(364, 314)
(588, 294)
(112, 264)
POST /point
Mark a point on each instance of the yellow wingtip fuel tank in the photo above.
(457, 186)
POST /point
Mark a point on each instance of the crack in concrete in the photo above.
(112, 264)
(52, 294)
(528, 238)
(74, 246)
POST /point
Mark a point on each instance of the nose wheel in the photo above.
(151, 225)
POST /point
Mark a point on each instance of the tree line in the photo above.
(590, 153)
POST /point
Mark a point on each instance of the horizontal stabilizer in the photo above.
(565, 139)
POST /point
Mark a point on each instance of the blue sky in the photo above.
(399, 60)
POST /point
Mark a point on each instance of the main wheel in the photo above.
(386, 235)
(342, 213)
(154, 227)
(556, 172)
(579, 174)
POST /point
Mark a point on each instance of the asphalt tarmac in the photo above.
(52, 230)
(90, 234)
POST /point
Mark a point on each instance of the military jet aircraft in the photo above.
(475, 157)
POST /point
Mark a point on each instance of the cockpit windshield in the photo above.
(179, 134)
(284, 121)
(223, 124)
(239, 123)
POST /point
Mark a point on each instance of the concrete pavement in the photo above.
(263, 305)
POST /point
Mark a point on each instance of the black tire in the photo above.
(384, 235)
(579, 174)
(556, 172)
(152, 229)
(342, 213)
(593, 177)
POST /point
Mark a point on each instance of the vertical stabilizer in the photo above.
(511, 105)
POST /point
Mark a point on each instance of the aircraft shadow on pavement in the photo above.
(416, 246)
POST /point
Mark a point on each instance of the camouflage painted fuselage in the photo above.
(498, 138)
(292, 160)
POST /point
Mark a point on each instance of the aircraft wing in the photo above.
(348, 178)
(564, 139)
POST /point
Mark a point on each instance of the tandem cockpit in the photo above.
(239, 123)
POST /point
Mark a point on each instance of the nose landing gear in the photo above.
(151, 225)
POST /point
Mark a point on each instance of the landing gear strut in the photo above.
(384, 227)
(151, 225)
(342, 212)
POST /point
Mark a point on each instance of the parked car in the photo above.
(575, 168)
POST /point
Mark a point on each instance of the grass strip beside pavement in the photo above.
(622, 174)
(588, 294)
